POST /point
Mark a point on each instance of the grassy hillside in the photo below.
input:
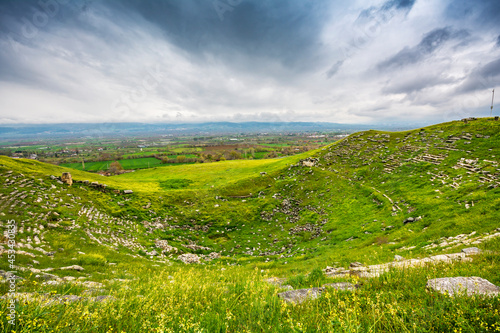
(365, 198)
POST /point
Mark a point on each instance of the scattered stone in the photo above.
(26, 253)
(195, 247)
(398, 258)
(276, 281)
(163, 244)
(412, 219)
(128, 192)
(8, 276)
(73, 267)
(469, 286)
(342, 286)
(408, 220)
(214, 255)
(47, 277)
(189, 258)
(355, 264)
(310, 162)
(300, 295)
(471, 250)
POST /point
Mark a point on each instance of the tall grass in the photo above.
(219, 299)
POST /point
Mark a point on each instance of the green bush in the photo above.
(316, 277)
(91, 259)
(297, 281)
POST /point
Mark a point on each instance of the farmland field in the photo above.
(205, 175)
(127, 164)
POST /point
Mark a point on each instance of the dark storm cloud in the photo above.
(285, 31)
(483, 77)
(428, 45)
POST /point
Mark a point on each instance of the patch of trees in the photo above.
(115, 168)
(179, 159)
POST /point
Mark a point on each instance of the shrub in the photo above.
(316, 277)
(381, 240)
(93, 259)
(297, 281)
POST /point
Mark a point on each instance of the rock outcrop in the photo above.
(371, 271)
(469, 286)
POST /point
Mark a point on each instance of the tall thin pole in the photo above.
(492, 97)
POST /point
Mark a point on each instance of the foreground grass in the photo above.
(235, 299)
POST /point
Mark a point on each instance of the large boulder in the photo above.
(471, 251)
(469, 286)
(66, 178)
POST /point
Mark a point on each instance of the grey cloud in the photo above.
(367, 23)
(484, 13)
(498, 41)
(483, 77)
(400, 4)
(334, 69)
(428, 45)
(412, 84)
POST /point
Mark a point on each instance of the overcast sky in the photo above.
(353, 61)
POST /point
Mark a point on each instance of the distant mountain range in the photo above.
(32, 131)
